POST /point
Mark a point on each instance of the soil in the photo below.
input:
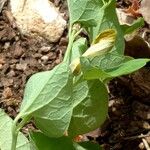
(129, 106)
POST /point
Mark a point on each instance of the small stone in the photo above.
(21, 67)
(57, 61)
(11, 73)
(2, 61)
(16, 38)
(37, 55)
(44, 58)
(7, 45)
(141, 146)
(52, 55)
(18, 50)
(45, 49)
(1, 66)
(38, 18)
(7, 82)
(7, 93)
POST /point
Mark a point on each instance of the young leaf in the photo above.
(129, 67)
(106, 18)
(101, 46)
(136, 24)
(6, 134)
(84, 11)
(91, 109)
(43, 89)
(110, 66)
(106, 62)
(78, 48)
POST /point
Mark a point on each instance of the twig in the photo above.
(146, 144)
(137, 137)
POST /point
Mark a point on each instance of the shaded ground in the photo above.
(20, 57)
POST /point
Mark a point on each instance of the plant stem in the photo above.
(70, 44)
(103, 2)
(73, 33)
(14, 134)
(15, 130)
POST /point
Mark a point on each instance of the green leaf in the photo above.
(91, 72)
(98, 67)
(91, 109)
(6, 134)
(54, 118)
(129, 67)
(43, 88)
(84, 11)
(78, 48)
(108, 62)
(127, 29)
(110, 66)
(42, 142)
(96, 16)
(106, 18)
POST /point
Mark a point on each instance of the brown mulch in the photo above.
(20, 57)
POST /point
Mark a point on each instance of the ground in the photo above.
(129, 106)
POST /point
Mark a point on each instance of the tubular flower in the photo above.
(100, 46)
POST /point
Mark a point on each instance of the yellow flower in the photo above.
(100, 46)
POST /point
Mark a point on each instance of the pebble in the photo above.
(7, 82)
(7, 93)
(2, 61)
(45, 49)
(21, 67)
(1, 66)
(18, 51)
(44, 58)
(11, 73)
(6, 45)
(37, 55)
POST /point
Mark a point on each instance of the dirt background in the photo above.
(128, 124)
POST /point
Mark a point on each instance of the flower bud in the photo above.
(100, 46)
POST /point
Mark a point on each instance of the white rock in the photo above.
(145, 7)
(38, 18)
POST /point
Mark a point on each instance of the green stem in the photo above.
(103, 2)
(14, 134)
(15, 130)
(73, 33)
(70, 44)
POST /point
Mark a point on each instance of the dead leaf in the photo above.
(133, 10)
